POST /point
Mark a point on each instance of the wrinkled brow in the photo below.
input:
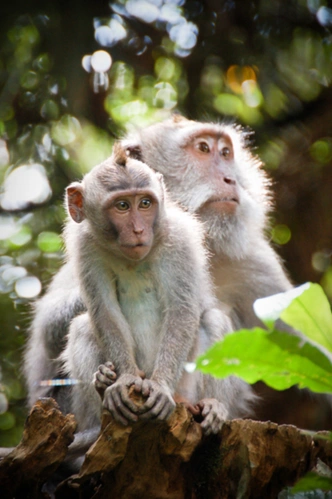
(218, 134)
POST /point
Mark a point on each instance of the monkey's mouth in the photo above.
(222, 199)
(135, 251)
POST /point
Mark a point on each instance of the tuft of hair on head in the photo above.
(177, 118)
(119, 154)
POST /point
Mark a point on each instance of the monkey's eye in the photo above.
(145, 203)
(122, 206)
(203, 147)
(225, 151)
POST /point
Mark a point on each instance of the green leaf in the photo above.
(312, 481)
(270, 308)
(305, 308)
(279, 359)
(310, 313)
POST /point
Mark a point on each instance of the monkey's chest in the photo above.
(141, 307)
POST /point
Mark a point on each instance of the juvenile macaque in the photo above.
(143, 274)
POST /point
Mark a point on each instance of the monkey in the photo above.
(209, 169)
(143, 274)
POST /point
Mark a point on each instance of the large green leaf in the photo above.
(277, 358)
(305, 308)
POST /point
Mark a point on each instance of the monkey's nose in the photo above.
(229, 180)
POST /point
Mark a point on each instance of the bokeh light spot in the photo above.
(28, 287)
(142, 9)
(281, 234)
(3, 403)
(321, 260)
(101, 61)
(321, 150)
(7, 421)
(49, 242)
(27, 184)
(236, 75)
(12, 274)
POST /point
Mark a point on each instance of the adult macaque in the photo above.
(143, 274)
(210, 171)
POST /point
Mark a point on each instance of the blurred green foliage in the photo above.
(268, 65)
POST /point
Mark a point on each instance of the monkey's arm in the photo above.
(98, 285)
(50, 325)
(178, 333)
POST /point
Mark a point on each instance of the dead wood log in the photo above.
(46, 436)
(173, 460)
(159, 459)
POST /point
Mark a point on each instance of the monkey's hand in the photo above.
(118, 402)
(160, 403)
(214, 414)
(104, 377)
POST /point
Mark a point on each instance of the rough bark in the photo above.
(43, 448)
(158, 459)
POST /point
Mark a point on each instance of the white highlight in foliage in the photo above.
(108, 36)
(324, 16)
(142, 9)
(271, 307)
(101, 61)
(184, 35)
(11, 274)
(28, 287)
(8, 227)
(27, 184)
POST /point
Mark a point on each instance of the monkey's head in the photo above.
(208, 169)
(121, 202)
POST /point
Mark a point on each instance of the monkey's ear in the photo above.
(74, 197)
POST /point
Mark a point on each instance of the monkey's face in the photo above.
(212, 156)
(132, 216)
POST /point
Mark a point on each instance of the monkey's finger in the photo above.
(166, 412)
(125, 401)
(145, 388)
(107, 371)
(206, 409)
(150, 402)
(110, 365)
(161, 409)
(120, 408)
(110, 405)
(103, 380)
(138, 385)
(206, 425)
